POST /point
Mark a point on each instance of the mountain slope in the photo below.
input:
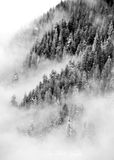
(89, 36)
(66, 36)
(27, 36)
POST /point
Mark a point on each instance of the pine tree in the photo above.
(14, 101)
(110, 29)
(107, 69)
(96, 73)
(97, 43)
(106, 74)
(48, 96)
(69, 128)
(24, 102)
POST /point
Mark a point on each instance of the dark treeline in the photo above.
(110, 2)
(75, 78)
(67, 37)
(89, 34)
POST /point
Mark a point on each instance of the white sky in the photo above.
(14, 14)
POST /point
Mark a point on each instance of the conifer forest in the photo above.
(57, 84)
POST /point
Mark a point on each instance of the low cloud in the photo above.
(15, 144)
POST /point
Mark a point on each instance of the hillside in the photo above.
(57, 80)
(27, 36)
(65, 37)
(85, 34)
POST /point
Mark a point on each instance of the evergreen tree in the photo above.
(107, 69)
(14, 101)
(106, 74)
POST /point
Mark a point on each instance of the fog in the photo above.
(16, 14)
(92, 143)
(94, 139)
(94, 132)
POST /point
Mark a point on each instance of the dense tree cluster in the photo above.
(88, 34)
(87, 26)
(74, 78)
(110, 2)
(88, 37)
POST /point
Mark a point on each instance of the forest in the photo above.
(87, 36)
(57, 80)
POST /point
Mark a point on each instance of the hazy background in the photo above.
(14, 145)
(15, 14)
